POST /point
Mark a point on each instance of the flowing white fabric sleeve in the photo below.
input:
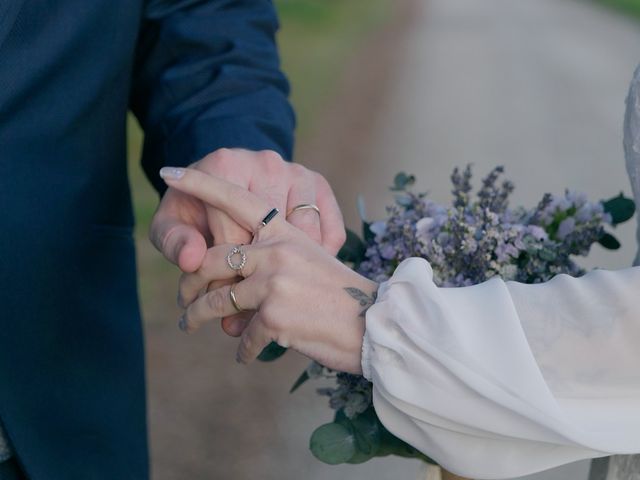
(504, 379)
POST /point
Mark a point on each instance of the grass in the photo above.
(630, 7)
(317, 39)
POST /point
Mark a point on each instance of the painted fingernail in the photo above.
(182, 324)
(172, 173)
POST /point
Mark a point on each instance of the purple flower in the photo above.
(476, 238)
(567, 227)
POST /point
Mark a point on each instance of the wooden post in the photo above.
(434, 472)
(445, 475)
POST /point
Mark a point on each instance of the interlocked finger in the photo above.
(245, 208)
(223, 262)
(218, 303)
(254, 339)
(302, 196)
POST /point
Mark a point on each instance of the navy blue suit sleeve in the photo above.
(207, 75)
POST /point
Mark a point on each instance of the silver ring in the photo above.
(237, 250)
(304, 206)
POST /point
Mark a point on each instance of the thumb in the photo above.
(180, 243)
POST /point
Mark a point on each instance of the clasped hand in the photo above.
(183, 227)
(295, 292)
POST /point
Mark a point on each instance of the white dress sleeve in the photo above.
(504, 379)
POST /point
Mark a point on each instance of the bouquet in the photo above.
(475, 238)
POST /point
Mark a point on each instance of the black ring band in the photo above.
(269, 217)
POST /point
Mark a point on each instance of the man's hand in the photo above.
(183, 229)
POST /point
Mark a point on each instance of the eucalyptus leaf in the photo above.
(401, 181)
(620, 208)
(353, 249)
(360, 457)
(609, 242)
(333, 443)
(271, 352)
(366, 427)
(300, 381)
(367, 233)
(392, 445)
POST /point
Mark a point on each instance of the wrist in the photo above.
(360, 293)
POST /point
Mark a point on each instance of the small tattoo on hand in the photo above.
(363, 299)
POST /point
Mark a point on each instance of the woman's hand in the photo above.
(303, 297)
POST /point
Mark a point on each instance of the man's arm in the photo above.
(207, 76)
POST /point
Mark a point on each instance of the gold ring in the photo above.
(304, 206)
(234, 300)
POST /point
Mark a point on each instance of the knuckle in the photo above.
(270, 156)
(320, 180)
(277, 285)
(270, 318)
(219, 161)
(246, 345)
(298, 170)
(216, 301)
(338, 239)
(182, 290)
(272, 162)
(279, 254)
(154, 236)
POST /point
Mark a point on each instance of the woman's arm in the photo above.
(504, 379)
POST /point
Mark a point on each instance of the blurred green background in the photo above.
(631, 7)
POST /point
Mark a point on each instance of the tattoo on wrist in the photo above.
(363, 299)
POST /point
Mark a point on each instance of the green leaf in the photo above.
(300, 381)
(333, 443)
(402, 181)
(272, 352)
(360, 457)
(353, 249)
(620, 208)
(392, 445)
(341, 418)
(366, 427)
(609, 242)
(368, 235)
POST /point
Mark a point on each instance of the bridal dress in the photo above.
(503, 379)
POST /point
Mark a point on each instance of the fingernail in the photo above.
(172, 173)
(238, 359)
(179, 301)
(182, 324)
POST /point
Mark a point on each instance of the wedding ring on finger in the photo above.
(270, 216)
(235, 263)
(234, 299)
(265, 221)
(304, 206)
